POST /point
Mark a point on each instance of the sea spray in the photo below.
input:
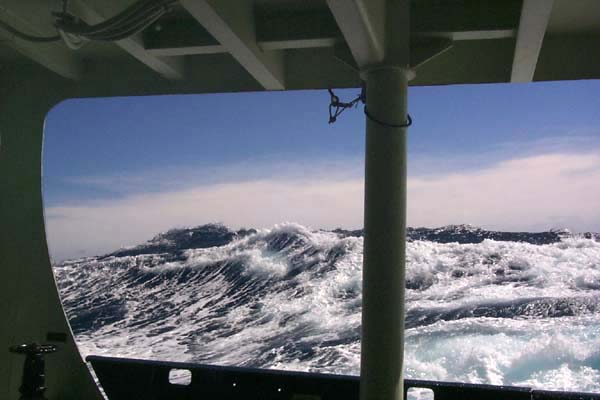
(485, 307)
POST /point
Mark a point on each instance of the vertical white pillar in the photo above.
(385, 236)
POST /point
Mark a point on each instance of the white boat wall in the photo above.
(212, 46)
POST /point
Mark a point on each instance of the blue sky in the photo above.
(104, 158)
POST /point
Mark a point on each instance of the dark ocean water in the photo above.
(487, 307)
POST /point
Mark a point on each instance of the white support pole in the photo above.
(385, 237)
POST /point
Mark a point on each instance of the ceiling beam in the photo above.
(297, 29)
(397, 34)
(464, 15)
(232, 25)
(183, 37)
(178, 51)
(535, 15)
(273, 32)
(471, 35)
(362, 23)
(94, 12)
(54, 56)
(280, 29)
(51, 56)
(273, 41)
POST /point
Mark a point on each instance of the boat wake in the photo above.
(484, 307)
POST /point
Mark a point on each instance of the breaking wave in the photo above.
(484, 307)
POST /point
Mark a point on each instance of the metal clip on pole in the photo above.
(33, 383)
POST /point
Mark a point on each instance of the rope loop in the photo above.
(336, 107)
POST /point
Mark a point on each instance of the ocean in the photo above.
(482, 306)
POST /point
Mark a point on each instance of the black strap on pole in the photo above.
(383, 123)
(336, 107)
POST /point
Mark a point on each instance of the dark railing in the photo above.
(127, 379)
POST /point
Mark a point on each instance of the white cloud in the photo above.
(530, 193)
(104, 226)
(533, 193)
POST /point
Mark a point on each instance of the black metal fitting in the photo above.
(33, 383)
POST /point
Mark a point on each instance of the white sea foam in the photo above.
(289, 298)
